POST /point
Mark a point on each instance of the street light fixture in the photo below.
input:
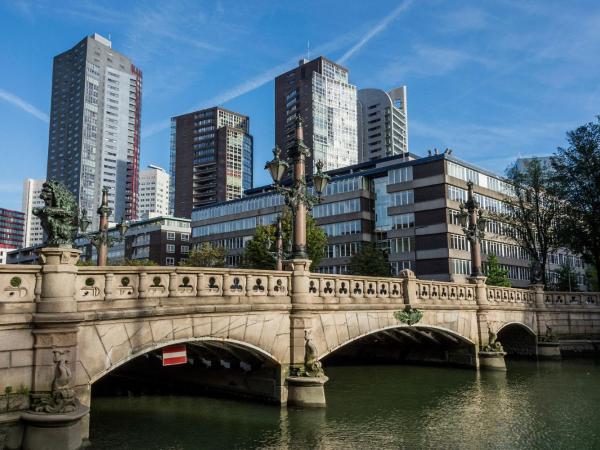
(297, 197)
(473, 224)
(101, 239)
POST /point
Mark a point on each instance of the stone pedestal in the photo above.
(58, 280)
(549, 350)
(492, 361)
(43, 431)
(307, 392)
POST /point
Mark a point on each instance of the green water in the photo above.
(549, 405)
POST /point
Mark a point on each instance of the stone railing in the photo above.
(503, 295)
(19, 285)
(440, 292)
(571, 298)
(356, 289)
(115, 283)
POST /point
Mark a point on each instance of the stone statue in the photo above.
(494, 344)
(549, 337)
(62, 398)
(59, 216)
(536, 272)
(312, 366)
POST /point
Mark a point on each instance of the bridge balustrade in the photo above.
(356, 289)
(441, 292)
(503, 295)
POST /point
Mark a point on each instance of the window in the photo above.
(400, 175)
(185, 249)
(170, 248)
(185, 237)
(170, 235)
(170, 261)
(461, 266)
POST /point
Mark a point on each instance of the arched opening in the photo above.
(518, 340)
(213, 367)
(406, 345)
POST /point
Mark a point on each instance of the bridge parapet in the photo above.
(356, 289)
(445, 293)
(20, 286)
(504, 295)
(113, 284)
(558, 299)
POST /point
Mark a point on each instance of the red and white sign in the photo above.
(174, 355)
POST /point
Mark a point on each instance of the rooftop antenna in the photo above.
(308, 50)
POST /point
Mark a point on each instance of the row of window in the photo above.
(336, 208)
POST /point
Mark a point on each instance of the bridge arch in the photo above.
(263, 354)
(518, 339)
(401, 343)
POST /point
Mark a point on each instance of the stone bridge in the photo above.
(107, 316)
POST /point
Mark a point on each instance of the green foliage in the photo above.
(577, 183)
(567, 279)
(496, 276)
(133, 262)
(592, 276)
(370, 261)
(533, 214)
(206, 255)
(85, 263)
(258, 253)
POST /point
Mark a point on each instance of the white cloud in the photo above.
(378, 28)
(463, 20)
(23, 105)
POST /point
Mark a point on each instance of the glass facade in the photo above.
(334, 118)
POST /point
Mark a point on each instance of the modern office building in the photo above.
(95, 116)
(153, 192)
(211, 158)
(12, 231)
(34, 234)
(382, 123)
(164, 240)
(406, 204)
(320, 92)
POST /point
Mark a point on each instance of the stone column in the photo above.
(480, 289)
(306, 381)
(538, 292)
(409, 287)
(55, 417)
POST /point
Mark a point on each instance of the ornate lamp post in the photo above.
(297, 197)
(473, 224)
(101, 239)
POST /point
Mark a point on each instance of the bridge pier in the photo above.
(55, 416)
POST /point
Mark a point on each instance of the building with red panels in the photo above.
(12, 231)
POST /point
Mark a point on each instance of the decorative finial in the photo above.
(319, 165)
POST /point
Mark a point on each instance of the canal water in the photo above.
(545, 405)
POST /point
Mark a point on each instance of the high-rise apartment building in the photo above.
(33, 233)
(95, 126)
(12, 226)
(382, 123)
(154, 192)
(319, 91)
(211, 158)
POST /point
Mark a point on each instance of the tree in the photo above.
(496, 276)
(567, 279)
(206, 255)
(370, 261)
(533, 214)
(259, 252)
(577, 184)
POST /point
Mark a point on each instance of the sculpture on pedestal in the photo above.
(62, 397)
(494, 344)
(59, 216)
(312, 366)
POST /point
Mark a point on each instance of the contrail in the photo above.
(22, 104)
(382, 25)
(245, 87)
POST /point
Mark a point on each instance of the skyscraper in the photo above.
(95, 126)
(154, 192)
(12, 225)
(382, 123)
(34, 234)
(319, 91)
(211, 158)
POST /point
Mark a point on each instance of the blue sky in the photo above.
(491, 80)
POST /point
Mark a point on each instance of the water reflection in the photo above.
(545, 405)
